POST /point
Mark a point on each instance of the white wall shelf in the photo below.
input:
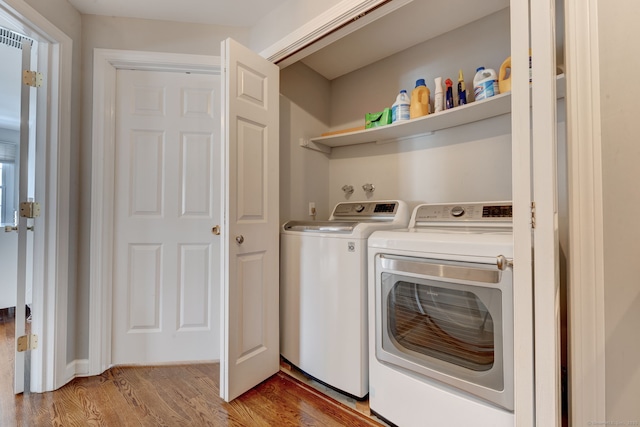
(469, 113)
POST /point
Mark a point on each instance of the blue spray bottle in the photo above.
(449, 94)
(462, 90)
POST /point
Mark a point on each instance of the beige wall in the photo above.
(619, 34)
(304, 113)
(465, 163)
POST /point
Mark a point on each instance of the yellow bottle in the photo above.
(504, 76)
(419, 100)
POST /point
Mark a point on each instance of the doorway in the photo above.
(17, 184)
(106, 66)
(10, 64)
(50, 245)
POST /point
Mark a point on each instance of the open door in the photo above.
(24, 341)
(250, 346)
(546, 250)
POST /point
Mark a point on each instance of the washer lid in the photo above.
(321, 226)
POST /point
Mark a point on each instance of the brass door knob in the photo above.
(216, 230)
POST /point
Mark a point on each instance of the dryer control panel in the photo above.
(366, 210)
(464, 212)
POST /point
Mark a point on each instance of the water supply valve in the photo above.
(348, 189)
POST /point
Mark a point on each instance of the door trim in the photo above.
(51, 241)
(106, 62)
(340, 20)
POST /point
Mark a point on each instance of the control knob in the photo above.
(359, 208)
(457, 211)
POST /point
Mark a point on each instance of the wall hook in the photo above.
(369, 188)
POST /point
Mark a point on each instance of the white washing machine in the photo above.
(323, 292)
(441, 317)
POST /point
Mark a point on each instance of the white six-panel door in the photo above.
(166, 260)
(250, 331)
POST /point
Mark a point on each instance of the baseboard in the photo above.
(77, 368)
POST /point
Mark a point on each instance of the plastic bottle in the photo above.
(504, 76)
(462, 89)
(400, 108)
(485, 83)
(438, 98)
(449, 95)
(419, 100)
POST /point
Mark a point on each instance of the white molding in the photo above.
(324, 24)
(586, 258)
(77, 368)
(51, 245)
(106, 62)
(524, 386)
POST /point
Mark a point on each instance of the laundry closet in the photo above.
(460, 155)
(464, 159)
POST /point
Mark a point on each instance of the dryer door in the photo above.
(447, 321)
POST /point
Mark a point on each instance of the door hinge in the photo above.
(31, 78)
(27, 342)
(29, 209)
(533, 214)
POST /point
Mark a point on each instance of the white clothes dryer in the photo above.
(441, 317)
(323, 292)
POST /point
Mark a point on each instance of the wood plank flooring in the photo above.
(181, 395)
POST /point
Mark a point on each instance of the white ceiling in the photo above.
(237, 13)
(399, 30)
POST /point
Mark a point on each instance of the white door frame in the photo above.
(106, 62)
(51, 243)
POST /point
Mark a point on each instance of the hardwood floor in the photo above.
(181, 395)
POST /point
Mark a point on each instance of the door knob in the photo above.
(240, 239)
(216, 230)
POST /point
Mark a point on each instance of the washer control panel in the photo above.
(465, 212)
(384, 209)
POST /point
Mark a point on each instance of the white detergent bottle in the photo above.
(485, 83)
(400, 110)
(438, 102)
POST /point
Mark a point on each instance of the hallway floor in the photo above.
(178, 395)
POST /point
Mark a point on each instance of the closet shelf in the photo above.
(469, 113)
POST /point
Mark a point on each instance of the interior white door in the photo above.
(250, 298)
(166, 260)
(23, 222)
(545, 194)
